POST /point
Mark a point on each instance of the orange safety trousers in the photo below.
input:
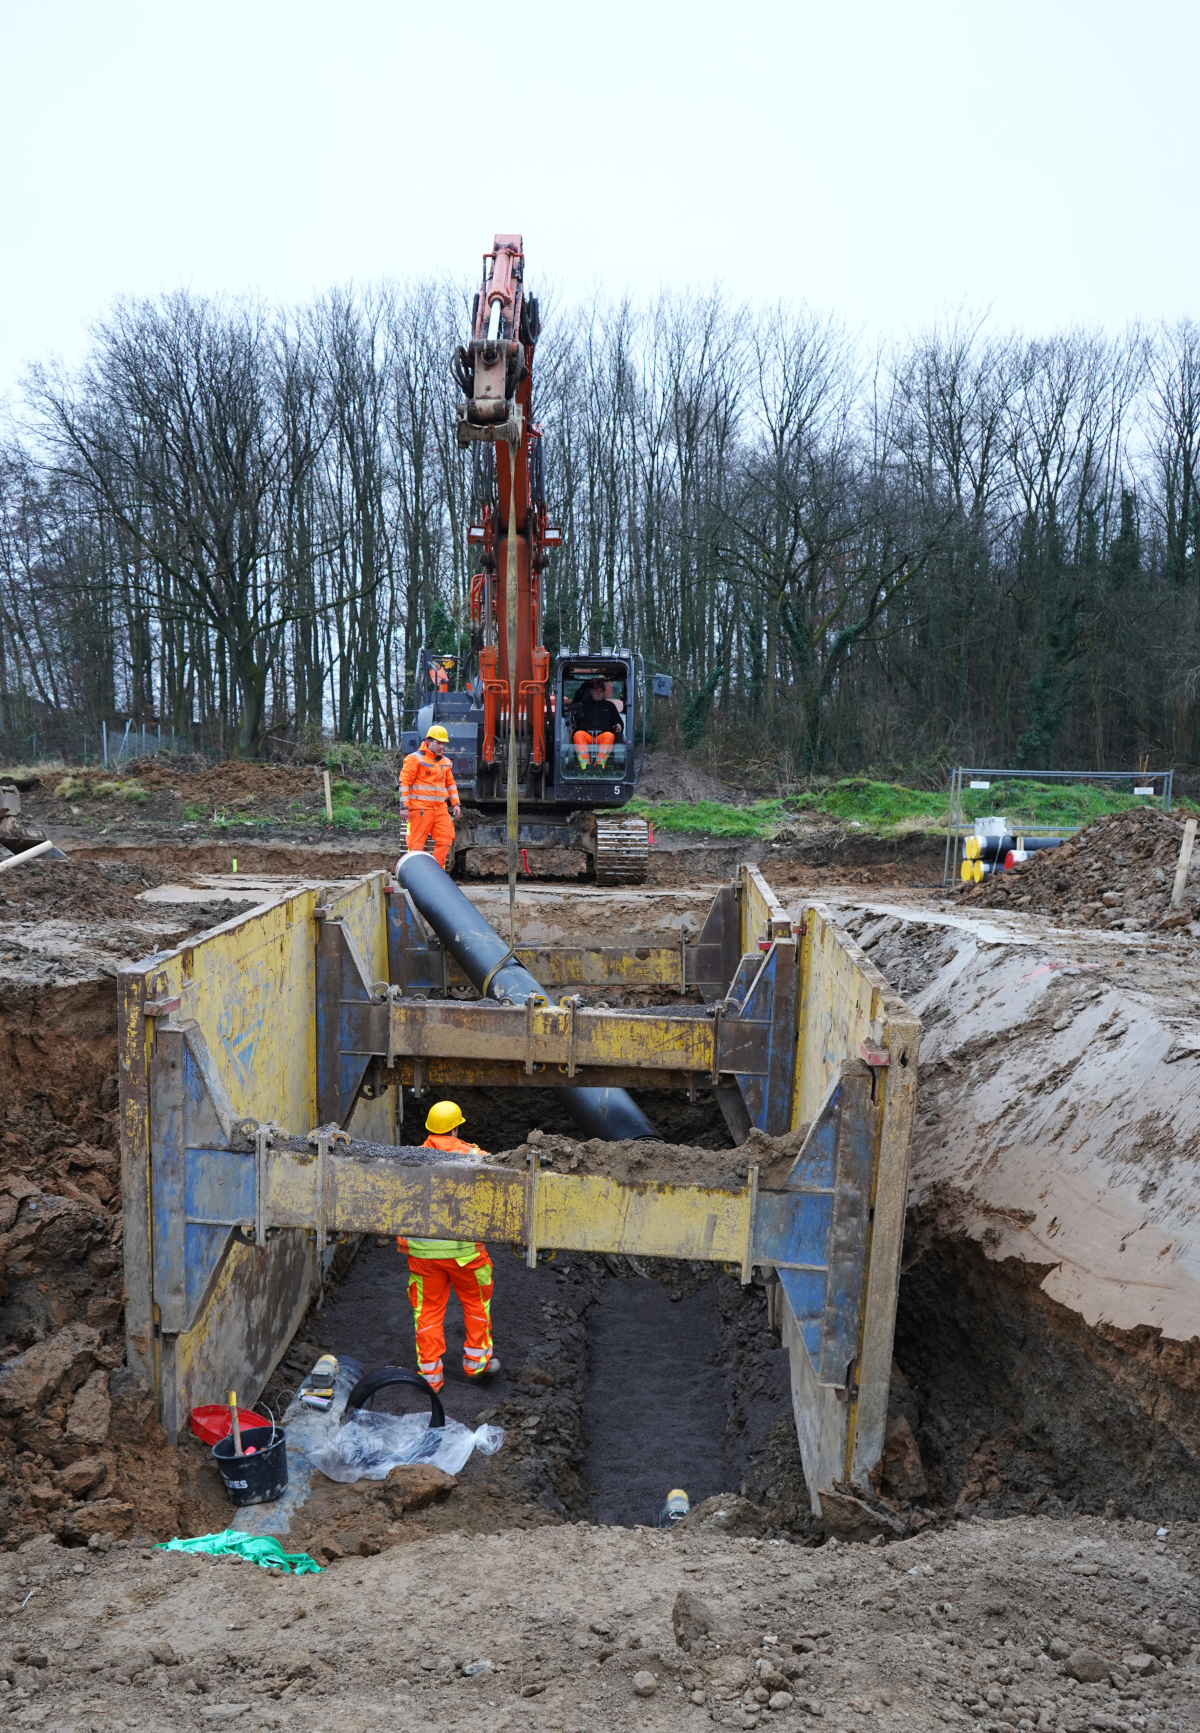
(594, 746)
(429, 1283)
(426, 819)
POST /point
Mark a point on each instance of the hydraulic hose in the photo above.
(488, 964)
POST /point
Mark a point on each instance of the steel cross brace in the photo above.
(749, 1035)
(218, 1180)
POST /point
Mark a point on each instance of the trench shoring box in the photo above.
(238, 1173)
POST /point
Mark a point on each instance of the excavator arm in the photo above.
(495, 374)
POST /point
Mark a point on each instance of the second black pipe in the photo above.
(489, 965)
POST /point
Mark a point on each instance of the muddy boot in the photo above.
(488, 1371)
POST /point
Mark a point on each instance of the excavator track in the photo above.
(622, 850)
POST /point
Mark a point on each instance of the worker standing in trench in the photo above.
(427, 787)
(437, 1266)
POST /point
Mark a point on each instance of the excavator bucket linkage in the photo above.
(310, 1011)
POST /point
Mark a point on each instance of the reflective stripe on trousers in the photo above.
(429, 1283)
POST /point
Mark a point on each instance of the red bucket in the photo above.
(212, 1422)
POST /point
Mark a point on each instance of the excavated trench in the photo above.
(620, 1380)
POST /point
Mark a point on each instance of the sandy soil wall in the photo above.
(1050, 1305)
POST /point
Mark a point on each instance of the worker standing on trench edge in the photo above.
(427, 786)
(436, 1266)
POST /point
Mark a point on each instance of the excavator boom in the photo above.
(509, 724)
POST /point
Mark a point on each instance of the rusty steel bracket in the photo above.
(203, 1161)
(533, 1002)
(748, 1254)
(322, 1139)
(531, 1250)
(571, 1005)
(264, 1137)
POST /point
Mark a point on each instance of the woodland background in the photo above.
(968, 546)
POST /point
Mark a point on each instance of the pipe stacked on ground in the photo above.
(985, 855)
(490, 966)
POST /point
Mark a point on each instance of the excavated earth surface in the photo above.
(1029, 1623)
(187, 815)
(1044, 1407)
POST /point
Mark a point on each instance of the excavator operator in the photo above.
(596, 723)
(427, 785)
(436, 1266)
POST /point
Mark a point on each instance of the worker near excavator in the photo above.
(437, 1266)
(596, 724)
(427, 788)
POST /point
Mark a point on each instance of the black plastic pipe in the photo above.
(488, 964)
(992, 847)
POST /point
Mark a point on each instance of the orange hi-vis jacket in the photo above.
(426, 781)
(462, 1251)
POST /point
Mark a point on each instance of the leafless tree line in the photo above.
(243, 522)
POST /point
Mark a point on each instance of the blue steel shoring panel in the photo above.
(815, 1232)
(219, 1193)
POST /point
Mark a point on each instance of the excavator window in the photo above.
(593, 744)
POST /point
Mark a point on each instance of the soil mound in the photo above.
(669, 778)
(216, 784)
(646, 1162)
(1118, 872)
(96, 890)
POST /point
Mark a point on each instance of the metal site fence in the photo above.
(1045, 803)
(118, 745)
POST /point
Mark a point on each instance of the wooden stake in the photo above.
(328, 799)
(510, 600)
(1185, 861)
(234, 1425)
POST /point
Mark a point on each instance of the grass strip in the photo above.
(882, 807)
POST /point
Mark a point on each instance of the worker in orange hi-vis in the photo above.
(427, 787)
(596, 724)
(437, 1266)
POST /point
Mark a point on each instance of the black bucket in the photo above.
(256, 1479)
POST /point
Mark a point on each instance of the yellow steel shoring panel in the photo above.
(250, 986)
(846, 1007)
(588, 1213)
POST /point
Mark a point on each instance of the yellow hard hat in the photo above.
(443, 1117)
(437, 732)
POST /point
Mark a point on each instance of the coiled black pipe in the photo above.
(488, 964)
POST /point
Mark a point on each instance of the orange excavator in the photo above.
(572, 775)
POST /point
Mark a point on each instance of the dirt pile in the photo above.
(81, 1452)
(1010, 1624)
(1119, 872)
(75, 889)
(646, 1162)
(215, 785)
(665, 777)
(75, 919)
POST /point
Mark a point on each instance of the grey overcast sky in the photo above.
(893, 161)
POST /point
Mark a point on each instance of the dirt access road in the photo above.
(1024, 1623)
